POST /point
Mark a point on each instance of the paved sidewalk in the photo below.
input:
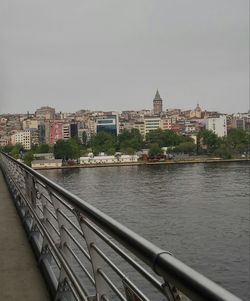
(20, 277)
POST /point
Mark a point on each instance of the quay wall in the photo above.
(143, 163)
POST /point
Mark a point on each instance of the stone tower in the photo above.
(157, 104)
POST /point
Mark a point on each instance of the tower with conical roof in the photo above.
(157, 103)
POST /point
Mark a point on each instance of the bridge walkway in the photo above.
(20, 277)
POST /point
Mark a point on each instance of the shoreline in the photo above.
(168, 162)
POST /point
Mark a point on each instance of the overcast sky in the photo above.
(113, 54)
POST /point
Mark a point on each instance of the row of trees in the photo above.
(17, 151)
(237, 142)
(128, 142)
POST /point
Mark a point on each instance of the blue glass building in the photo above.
(108, 123)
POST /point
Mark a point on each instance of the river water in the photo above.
(198, 212)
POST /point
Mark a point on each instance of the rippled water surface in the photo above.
(198, 212)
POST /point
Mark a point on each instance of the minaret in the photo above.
(157, 103)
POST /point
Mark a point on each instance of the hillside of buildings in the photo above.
(155, 133)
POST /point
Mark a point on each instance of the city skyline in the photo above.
(115, 55)
(151, 109)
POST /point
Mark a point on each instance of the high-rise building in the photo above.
(41, 133)
(108, 123)
(66, 131)
(140, 126)
(157, 104)
(23, 138)
(73, 130)
(55, 132)
(151, 124)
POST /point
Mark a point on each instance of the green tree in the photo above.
(154, 150)
(74, 148)
(110, 151)
(67, 149)
(209, 140)
(241, 148)
(62, 150)
(238, 140)
(185, 147)
(164, 138)
(43, 148)
(130, 139)
(84, 139)
(154, 136)
(102, 142)
(7, 149)
(28, 157)
(223, 151)
(170, 138)
(15, 152)
(128, 150)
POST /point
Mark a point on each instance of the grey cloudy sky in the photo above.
(113, 54)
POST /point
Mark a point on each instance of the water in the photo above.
(198, 212)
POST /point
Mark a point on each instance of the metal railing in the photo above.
(86, 255)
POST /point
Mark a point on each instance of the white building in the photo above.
(40, 164)
(98, 160)
(217, 125)
(44, 156)
(152, 123)
(140, 126)
(128, 158)
(66, 131)
(22, 137)
(108, 159)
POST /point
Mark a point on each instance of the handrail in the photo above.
(191, 283)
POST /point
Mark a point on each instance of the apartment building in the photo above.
(217, 125)
(22, 137)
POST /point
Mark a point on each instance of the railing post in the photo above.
(30, 189)
(172, 292)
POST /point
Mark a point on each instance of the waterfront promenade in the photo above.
(20, 277)
(145, 163)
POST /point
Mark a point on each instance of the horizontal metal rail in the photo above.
(77, 243)
(119, 251)
(81, 265)
(29, 186)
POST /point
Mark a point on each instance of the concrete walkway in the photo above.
(20, 278)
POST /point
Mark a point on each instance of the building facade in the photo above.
(239, 123)
(23, 138)
(217, 125)
(151, 124)
(166, 123)
(140, 126)
(108, 123)
(45, 113)
(55, 132)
